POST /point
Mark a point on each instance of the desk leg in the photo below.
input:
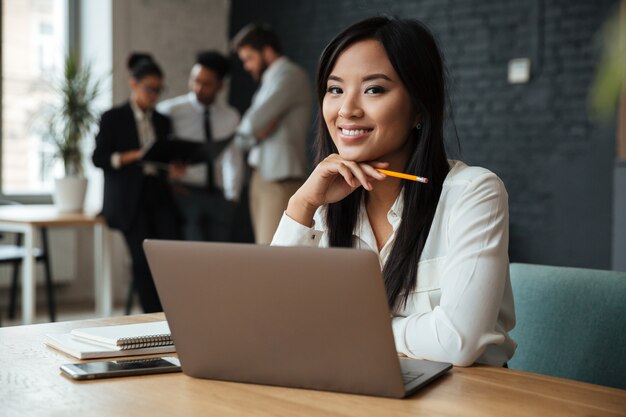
(102, 270)
(28, 278)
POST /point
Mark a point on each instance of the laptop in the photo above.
(313, 318)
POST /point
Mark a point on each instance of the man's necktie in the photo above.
(208, 134)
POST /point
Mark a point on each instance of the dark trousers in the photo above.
(157, 218)
(207, 216)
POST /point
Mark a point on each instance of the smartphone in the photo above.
(108, 369)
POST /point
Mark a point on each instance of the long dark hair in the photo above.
(415, 57)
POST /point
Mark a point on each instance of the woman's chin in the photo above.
(351, 155)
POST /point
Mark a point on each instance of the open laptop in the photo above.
(288, 316)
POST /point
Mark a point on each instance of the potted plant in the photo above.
(69, 119)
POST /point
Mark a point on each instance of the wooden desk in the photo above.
(27, 219)
(31, 385)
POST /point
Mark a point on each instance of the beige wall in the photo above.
(173, 31)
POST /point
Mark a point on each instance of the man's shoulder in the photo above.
(292, 75)
(293, 68)
(173, 104)
(226, 109)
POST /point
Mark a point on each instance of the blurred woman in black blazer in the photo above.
(137, 199)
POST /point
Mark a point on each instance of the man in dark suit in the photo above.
(137, 198)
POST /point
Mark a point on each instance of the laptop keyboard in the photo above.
(408, 377)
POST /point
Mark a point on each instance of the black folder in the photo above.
(184, 151)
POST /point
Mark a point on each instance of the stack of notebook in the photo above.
(114, 341)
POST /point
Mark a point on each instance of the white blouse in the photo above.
(462, 307)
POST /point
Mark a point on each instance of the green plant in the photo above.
(73, 115)
(610, 76)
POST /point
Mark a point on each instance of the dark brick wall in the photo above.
(556, 163)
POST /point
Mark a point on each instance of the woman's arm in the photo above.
(292, 233)
(104, 143)
(105, 154)
(473, 281)
(332, 180)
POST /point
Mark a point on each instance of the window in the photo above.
(35, 36)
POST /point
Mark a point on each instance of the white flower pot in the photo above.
(69, 193)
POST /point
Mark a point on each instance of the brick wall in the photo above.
(556, 163)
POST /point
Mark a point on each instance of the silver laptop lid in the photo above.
(287, 316)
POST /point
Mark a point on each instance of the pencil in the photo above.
(403, 176)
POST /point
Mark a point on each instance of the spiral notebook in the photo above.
(114, 341)
(127, 336)
(75, 347)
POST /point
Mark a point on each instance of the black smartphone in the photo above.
(108, 369)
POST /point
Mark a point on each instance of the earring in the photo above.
(418, 126)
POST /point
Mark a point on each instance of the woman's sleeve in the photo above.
(460, 328)
(103, 154)
(292, 233)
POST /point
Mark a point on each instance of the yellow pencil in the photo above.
(403, 176)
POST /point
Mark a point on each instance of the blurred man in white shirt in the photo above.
(208, 192)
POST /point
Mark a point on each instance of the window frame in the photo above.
(73, 44)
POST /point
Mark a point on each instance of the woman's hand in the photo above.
(332, 180)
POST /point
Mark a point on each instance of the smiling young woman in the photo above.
(444, 244)
(368, 111)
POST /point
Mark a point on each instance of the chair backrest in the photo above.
(571, 323)
(9, 203)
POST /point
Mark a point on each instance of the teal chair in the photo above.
(571, 323)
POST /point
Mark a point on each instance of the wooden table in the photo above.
(27, 219)
(31, 385)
